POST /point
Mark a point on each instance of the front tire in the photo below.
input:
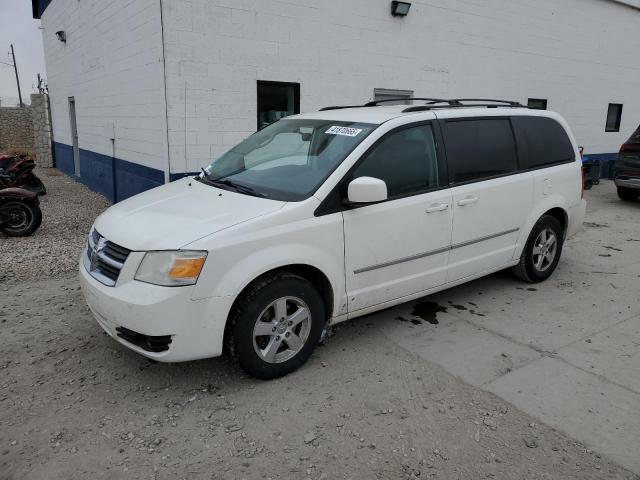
(276, 324)
(19, 219)
(628, 194)
(542, 251)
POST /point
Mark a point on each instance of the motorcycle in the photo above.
(20, 213)
(17, 171)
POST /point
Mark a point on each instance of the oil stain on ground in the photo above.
(427, 311)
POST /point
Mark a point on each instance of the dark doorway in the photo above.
(277, 100)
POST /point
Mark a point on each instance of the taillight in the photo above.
(582, 183)
(630, 147)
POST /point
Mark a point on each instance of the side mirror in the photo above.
(366, 190)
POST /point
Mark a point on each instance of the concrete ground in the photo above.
(493, 379)
(566, 351)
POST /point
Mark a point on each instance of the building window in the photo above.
(537, 103)
(387, 93)
(614, 114)
(277, 100)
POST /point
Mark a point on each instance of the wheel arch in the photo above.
(309, 272)
(554, 206)
(559, 214)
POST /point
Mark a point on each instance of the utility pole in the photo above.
(15, 68)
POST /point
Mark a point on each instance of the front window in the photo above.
(288, 160)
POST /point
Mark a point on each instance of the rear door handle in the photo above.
(468, 201)
(437, 207)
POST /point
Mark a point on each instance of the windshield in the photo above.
(287, 160)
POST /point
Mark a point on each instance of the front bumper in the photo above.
(195, 327)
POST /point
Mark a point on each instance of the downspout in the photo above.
(167, 173)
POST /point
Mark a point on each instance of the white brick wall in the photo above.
(579, 54)
(112, 65)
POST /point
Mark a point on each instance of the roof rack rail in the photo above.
(339, 107)
(487, 100)
(433, 103)
(375, 103)
(464, 102)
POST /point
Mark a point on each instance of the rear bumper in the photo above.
(576, 217)
(628, 181)
(161, 323)
(627, 172)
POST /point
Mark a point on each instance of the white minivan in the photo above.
(327, 216)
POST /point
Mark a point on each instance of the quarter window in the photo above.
(614, 115)
(406, 160)
(479, 148)
(542, 141)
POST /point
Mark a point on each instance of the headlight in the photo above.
(171, 268)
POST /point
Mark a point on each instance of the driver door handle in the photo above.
(468, 201)
(437, 207)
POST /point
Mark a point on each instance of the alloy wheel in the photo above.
(282, 329)
(545, 248)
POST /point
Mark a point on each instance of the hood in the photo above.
(173, 215)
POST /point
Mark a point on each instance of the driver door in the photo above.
(401, 246)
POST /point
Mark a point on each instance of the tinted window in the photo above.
(479, 149)
(406, 160)
(542, 141)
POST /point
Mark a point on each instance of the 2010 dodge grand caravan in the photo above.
(328, 216)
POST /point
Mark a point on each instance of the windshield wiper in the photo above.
(230, 185)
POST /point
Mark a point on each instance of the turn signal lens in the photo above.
(184, 268)
(173, 268)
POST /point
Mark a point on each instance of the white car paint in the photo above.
(247, 236)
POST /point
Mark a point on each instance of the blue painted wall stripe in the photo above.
(97, 173)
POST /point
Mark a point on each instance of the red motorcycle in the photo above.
(20, 213)
(17, 172)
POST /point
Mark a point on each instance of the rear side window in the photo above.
(479, 148)
(542, 141)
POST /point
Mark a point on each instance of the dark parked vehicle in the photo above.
(627, 168)
(17, 171)
(20, 213)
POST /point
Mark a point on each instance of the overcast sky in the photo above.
(18, 27)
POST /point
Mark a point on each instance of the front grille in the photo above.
(148, 343)
(105, 259)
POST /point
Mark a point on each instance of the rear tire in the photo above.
(628, 194)
(542, 251)
(275, 325)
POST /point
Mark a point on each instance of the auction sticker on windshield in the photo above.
(345, 131)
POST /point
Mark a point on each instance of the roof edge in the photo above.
(39, 6)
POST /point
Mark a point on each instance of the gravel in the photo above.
(68, 210)
(75, 404)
